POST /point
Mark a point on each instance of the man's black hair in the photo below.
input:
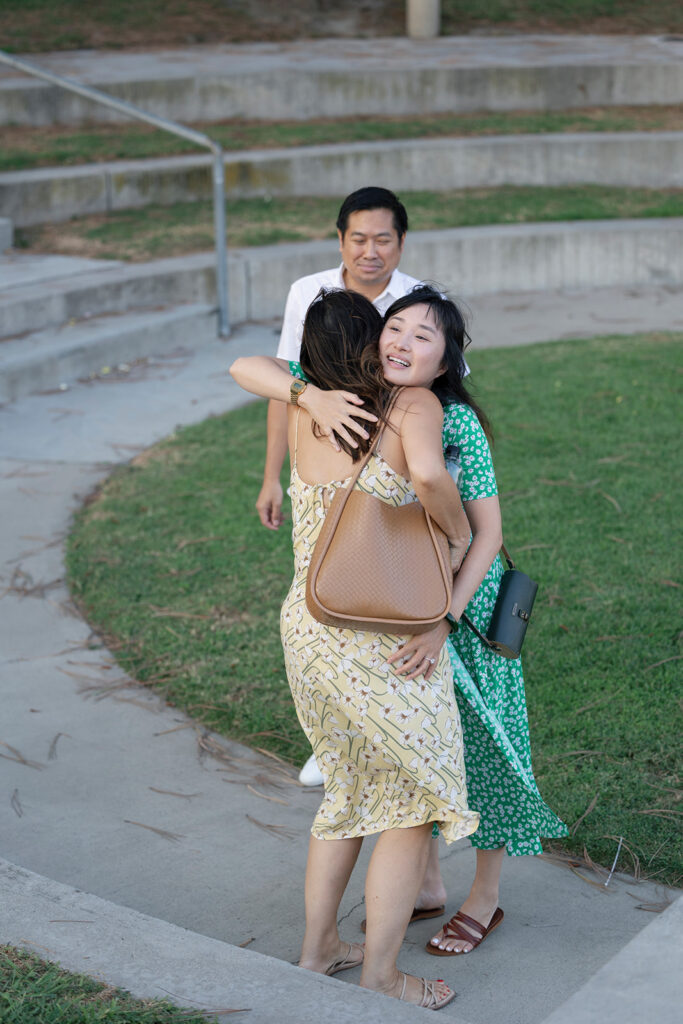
(373, 198)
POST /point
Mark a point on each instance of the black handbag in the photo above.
(511, 612)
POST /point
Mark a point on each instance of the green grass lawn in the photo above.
(24, 148)
(170, 562)
(69, 24)
(35, 992)
(157, 231)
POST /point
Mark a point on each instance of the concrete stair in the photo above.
(45, 359)
(63, 318)
(635, 159)
(342, 78)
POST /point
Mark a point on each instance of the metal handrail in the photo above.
(175, 129)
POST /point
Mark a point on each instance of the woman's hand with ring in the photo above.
(420, 653)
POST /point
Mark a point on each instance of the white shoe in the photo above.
(310, 773)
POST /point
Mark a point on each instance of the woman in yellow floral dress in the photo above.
(389, 745)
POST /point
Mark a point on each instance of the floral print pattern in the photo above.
(390, 750)
(491, 696)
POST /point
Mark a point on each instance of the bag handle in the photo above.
(339, 502)
(371, 450)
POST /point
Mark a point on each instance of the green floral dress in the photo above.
(492, 703)
(490, 696)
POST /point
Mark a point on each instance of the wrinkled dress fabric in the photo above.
(390, 750)
(491, 695)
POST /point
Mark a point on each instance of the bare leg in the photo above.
(432, 891)
(482, 900)
(396, 869)
(328, 869)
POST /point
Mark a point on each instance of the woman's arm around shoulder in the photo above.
(420, 429)
(265, 376)
(332, 410)
(420, 432)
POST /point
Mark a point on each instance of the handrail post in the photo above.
(199, 138)
(221, 244)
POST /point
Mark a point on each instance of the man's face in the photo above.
(370, 248)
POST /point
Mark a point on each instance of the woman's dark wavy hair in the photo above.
(449, 386)
(339, 353)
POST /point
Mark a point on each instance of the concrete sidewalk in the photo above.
(110, 792)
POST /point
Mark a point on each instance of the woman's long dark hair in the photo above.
(339, 353)
(449, 386)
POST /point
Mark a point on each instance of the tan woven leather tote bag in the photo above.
(376, 567)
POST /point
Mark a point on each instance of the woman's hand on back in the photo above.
(334, 412)
(419, 655)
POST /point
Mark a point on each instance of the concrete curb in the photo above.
(154, 959)
(622, 990)
(638, 159)
(340, 78)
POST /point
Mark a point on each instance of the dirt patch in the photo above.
(165, 454)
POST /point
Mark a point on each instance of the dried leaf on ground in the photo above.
(279, 831)
(19, 757)
(273, 799)
(585, 814)
(171, 836)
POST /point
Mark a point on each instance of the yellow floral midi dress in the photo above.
(390, 750)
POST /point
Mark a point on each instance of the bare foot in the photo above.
(429, 899)
(481, 909)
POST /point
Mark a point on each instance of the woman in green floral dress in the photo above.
(492, 702)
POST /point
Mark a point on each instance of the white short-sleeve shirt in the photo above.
(303, 291)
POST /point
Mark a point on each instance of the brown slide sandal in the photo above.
(453, 930)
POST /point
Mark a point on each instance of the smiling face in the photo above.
(371, 250)
(412, 347)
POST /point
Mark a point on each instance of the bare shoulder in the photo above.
(420, 401)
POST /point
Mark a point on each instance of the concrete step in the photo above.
(40, 291)
(46, 359)
(636, 159)
(340, 78)
(464, 261)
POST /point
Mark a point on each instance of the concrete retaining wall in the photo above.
(465, 261)
(637, 159)
(308, 92)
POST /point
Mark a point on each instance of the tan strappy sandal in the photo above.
(345, 963)
(430, 1000)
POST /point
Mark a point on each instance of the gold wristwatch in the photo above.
(296, 390)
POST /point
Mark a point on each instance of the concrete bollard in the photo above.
(423, 18)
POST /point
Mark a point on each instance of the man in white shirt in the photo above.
(372, 226)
